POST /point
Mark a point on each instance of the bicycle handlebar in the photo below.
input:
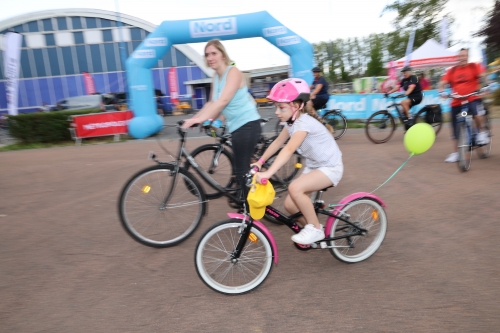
(457, 96)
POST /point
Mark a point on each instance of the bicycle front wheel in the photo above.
(150, 220)
(218, 165)
(464, 146)
(420, 118)
(216, 266)
(366, 214)
(380, 127)
(337, 121)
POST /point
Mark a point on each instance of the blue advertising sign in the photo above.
(362, 106)
(146, 121)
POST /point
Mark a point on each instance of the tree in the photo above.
(491, 32)
(375, 66)
(424, 16)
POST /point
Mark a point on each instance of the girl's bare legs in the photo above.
(298, 195)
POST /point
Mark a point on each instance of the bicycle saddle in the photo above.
(326, 188)
(322, 107)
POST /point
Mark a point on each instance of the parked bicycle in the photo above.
(334, 118)
(466, 131)
(381, 125)
(235, 256)
(162, 205)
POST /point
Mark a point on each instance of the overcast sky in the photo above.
(315, 21)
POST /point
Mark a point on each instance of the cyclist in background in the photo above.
(319, 90)
(465, 78)
(412, 90)
(306, 134)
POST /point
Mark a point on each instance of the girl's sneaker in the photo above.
(309, 234)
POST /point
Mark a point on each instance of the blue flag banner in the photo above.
(146, 121)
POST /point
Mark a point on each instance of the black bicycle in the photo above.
(218, 160)
(334, 118)
(235, 256)
(381, 125)
(162, 205)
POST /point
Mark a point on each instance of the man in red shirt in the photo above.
(465, 78)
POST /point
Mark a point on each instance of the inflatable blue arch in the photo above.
(146, 121)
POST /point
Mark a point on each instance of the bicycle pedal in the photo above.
(323, 245)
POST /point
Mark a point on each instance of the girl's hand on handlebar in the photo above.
(261, 176)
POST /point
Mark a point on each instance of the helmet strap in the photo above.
(294, 116)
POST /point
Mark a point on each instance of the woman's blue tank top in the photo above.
(241, 109)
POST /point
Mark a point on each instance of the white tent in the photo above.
(430, 54)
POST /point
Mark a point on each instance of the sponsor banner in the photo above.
(155, 42)
(362, 106)
(173, 86)
(101, 124)
(88, 81)
(289, 40)
(144, 54)
(213, 27)
(274, 31)
(12, 55)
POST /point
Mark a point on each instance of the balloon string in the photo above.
(395, 172)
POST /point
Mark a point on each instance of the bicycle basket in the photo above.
(433, 114)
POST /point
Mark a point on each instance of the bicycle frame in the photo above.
(288, 221)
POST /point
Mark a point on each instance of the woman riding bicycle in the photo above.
(319, 90)
(313, 141)
(230, 96)
(412, 90)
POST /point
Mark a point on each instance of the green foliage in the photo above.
(42, 127)
(496, 97)
(424, 16)
(491, 32)
(375, 66)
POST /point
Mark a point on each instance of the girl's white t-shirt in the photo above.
(319, 147)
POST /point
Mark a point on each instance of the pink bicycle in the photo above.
(236, 255)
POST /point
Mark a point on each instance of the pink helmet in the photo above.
(290, 90)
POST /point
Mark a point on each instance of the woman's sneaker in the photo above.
(452, 158)
(309, 234)
(482, 138)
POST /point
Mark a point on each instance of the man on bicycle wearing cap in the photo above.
(465, 78)
(319, 90)
(412, 90)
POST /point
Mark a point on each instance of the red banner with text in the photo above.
(173, 86)
(88, 81)
(101, 124)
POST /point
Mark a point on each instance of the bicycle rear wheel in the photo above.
(219, 166)
(144, 216)
(485, 150)
(380, 127)
(420, 118)
(337, 121)
(223, 273)
(464, 146)
(366, 214)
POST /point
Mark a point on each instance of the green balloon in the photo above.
(419, 138)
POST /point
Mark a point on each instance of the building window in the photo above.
(33, 26)
(49, 40)
(47, 25)
(77, 22)
(91, 22)
(107, 36)
(96, 58)
(136, 34)
(53, 61)
(68, 60)
(25, 64)
(109, 51)
(82, 58)
(39, 62)
(78, 37)
(18, 28)
(107, 23)
(62, 24)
